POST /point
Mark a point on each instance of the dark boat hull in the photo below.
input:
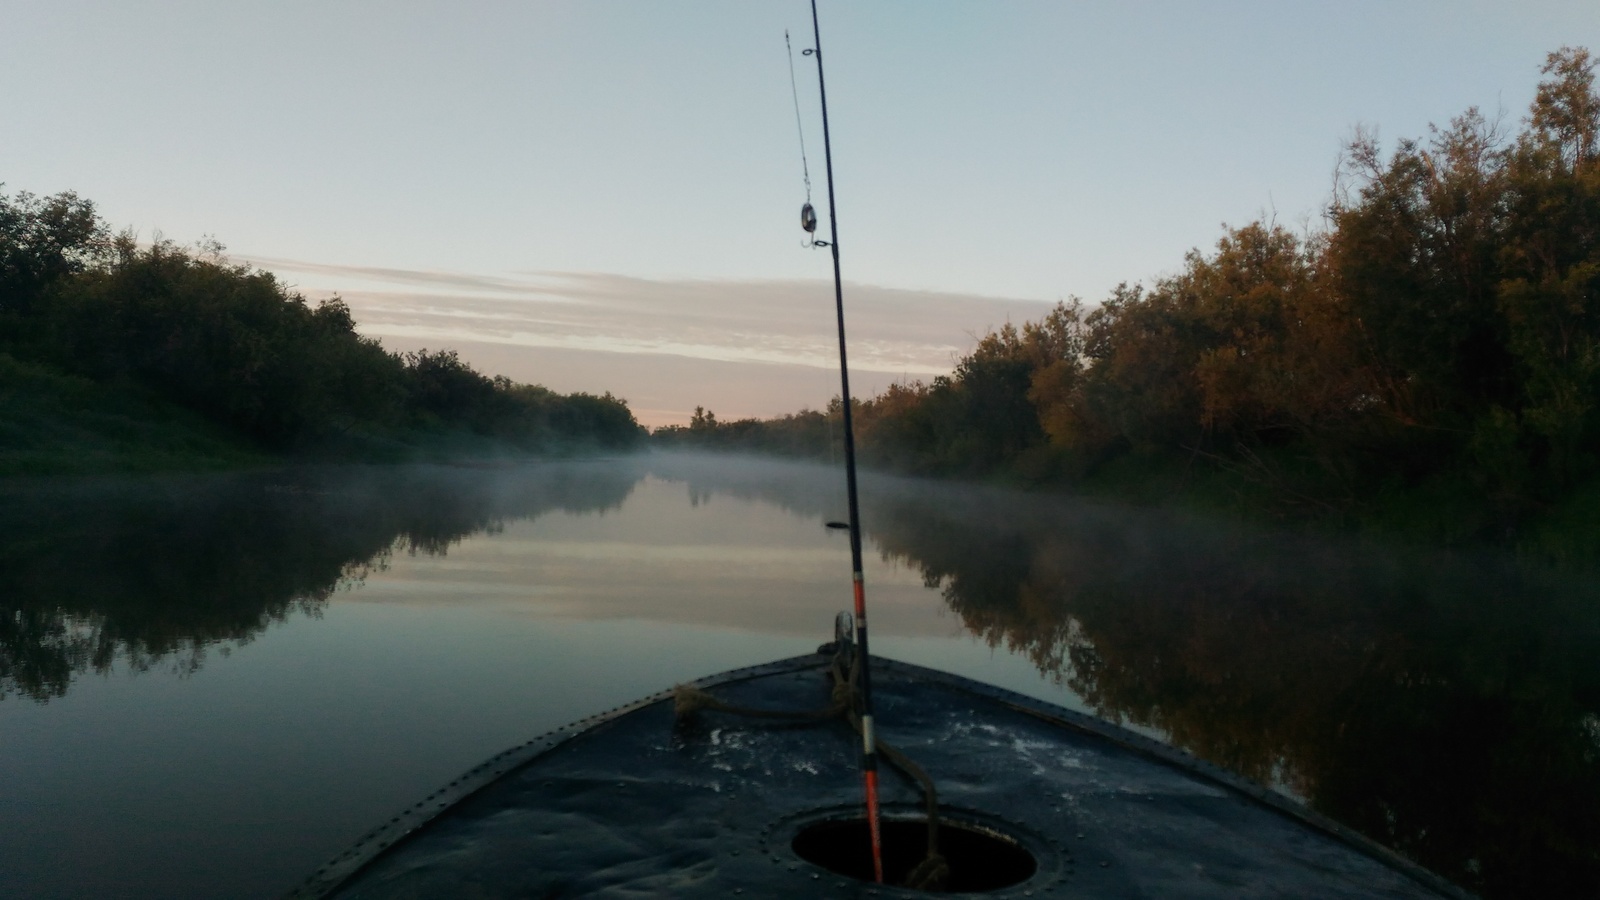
(634, 803)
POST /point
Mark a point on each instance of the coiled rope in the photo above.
(933, 872)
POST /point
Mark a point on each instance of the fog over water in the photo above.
(212, 685)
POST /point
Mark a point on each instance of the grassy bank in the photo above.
(54, 424)
(1447, 509)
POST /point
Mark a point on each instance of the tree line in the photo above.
(1440, 332)
(235, 345)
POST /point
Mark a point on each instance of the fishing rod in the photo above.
(808, 221)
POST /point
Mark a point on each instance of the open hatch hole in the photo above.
(980, 859)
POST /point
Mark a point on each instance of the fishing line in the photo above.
(799, 126)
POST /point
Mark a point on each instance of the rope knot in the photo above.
(688, 700)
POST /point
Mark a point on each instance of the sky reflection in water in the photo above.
(316, 650)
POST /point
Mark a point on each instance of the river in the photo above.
(210, 685)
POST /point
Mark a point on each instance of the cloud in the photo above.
(917, 333)
(382, 275)
(668, 344)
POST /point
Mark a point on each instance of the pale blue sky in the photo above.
(1001, 155)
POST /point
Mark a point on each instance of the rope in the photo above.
(795, 92)
(844, 671)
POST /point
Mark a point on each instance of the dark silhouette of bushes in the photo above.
(233, 344)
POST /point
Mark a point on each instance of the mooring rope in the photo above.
(934, 871)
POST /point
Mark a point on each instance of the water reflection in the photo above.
(1443, 704)
(156, 573)
(1446, 705)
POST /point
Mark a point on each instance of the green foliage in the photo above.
(52, 423)
(1440, 336)
(236, 348)
(42, 240)
(224, 340)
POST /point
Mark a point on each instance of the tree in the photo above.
(43, 239)
(1550, 261)
(703, 422)
(1414, 258)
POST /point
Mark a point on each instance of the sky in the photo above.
(604, 195)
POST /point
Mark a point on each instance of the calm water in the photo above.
(212, 685)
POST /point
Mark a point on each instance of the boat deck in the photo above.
(635, 803)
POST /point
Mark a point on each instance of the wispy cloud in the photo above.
(381, 275)
(915, 333)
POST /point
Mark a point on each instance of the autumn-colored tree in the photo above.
(1055, 348)
(1442, 328)
(1413, 256)
(1550, 263)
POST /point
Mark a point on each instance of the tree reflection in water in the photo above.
(1447, 705)
(156, 573)
(1443, 704)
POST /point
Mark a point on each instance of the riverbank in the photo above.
(57, 424)
(1449, 509)
(52, 423)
